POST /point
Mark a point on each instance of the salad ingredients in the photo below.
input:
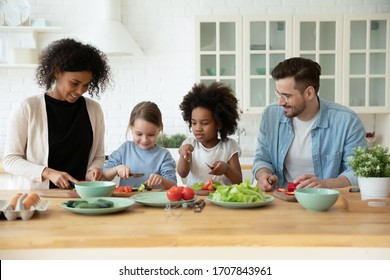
(210, 185)
(243, 192)
(177, 193)
(188, 193)
(100, 203)
(174, 194)
(143, 187)
(124, 189)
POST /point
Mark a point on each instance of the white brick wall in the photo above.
(164, 30)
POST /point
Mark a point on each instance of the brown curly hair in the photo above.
(68, 55)
(219, 100)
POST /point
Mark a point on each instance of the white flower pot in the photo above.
(374, 188)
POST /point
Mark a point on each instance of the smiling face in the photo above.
(295, 105)
(71, 85)
(145, 134)
(204, 127)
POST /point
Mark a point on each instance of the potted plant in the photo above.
(372, 167)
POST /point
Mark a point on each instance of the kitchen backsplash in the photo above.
(164, 29)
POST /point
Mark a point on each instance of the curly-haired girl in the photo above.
(57, 137)
(210, 111)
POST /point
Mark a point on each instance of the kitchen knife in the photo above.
(137, 175)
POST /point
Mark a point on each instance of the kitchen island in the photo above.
(278, 230)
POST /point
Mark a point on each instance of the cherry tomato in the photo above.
(174, 193)
(188, 193)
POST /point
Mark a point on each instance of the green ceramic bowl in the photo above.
(316, 199)
(95, 188)
(213, 71)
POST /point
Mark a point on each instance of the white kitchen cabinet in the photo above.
(353, 52)
(218, 51)
(320, 38)
(31, 32)
(367, 61)
(266, 42)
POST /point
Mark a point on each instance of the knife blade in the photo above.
(137, 175)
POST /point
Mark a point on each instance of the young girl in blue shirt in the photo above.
(143, 155)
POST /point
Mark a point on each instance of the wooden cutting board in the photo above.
(354, 203)
(283, 196)
(58, 193)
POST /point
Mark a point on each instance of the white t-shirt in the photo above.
(299, 157)
(223, 151)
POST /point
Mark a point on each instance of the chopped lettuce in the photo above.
(243, 192)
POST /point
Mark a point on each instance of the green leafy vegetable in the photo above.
(243, 192)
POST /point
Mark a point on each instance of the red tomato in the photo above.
(123, 189)
(291, 186)
(119, 189)
(207, 185)
(188, 193)
(174, 193)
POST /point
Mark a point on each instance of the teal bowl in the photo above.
(213, 71)
(316, 199)
(95, 188)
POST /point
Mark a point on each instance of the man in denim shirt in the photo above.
(304, 138)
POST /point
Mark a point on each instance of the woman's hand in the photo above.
(59, 178)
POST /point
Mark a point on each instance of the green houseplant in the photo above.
(173, 141)
(372, 167)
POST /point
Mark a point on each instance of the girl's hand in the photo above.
(219, 168)
(185, 152)
(154, 180)
(123, 171)
(94, 174)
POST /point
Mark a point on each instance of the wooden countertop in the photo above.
(281, 223)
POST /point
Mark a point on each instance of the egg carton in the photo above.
(11, 214)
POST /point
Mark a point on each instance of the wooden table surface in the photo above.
(279, 224)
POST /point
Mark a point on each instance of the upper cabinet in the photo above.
(266, 42)
(353, 53)
(320, 39)
(367, 61)
(219, 51)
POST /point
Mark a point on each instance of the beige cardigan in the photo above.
(26, 147)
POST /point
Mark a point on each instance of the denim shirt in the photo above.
(335, 133)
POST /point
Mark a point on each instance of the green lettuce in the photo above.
(243, 192)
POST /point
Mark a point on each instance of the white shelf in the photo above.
(26, 29)
(15, 65)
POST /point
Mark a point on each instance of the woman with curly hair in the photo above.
(211, 113)
(58, 137)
